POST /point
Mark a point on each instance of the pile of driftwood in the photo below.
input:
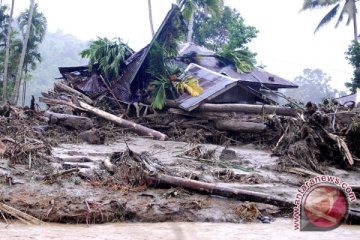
(22, 138)
(324, 135)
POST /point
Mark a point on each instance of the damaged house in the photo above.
(219, 83)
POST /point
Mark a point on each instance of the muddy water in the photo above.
(280, 229)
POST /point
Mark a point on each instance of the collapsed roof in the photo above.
(214, 78)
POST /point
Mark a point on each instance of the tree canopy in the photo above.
(227, 36)
(353, 56)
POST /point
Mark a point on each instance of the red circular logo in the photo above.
(325, 206)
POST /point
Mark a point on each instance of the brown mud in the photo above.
(93, 195)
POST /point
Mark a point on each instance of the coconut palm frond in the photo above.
(214, 7)
(315, 4)
(348, 9)
(161, 84)
(191, 85)
(328, 17)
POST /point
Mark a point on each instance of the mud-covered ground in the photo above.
(93, 195)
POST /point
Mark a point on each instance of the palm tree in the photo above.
(189, 8)
(348, 7)
(37, 34)
(151, 18)
(7, 53)
(33, 26)
(15, 95)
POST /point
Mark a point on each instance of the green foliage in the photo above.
(173, 33)
(314, 86)
(213, 7)
(160, 70)
(4, 21)
(161, 85)
(229, 31)
(243, 60)
(353, 56)
(37, 34)
(227, 36)
(109, 55)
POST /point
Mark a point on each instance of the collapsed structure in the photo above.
(122, 177)
(221, 83)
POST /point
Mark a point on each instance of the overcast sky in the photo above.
(285, 43)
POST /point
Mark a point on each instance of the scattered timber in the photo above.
(248, 108)
(64, 88)
(239, 126)
(124, 123)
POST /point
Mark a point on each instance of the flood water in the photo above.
(280, 229)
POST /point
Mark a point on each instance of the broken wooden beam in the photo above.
(214, 189)
(69, 121)
(248, 108)
(52, 102)
(140, 129)
(239, 126)
(24, 217)
(62, 87)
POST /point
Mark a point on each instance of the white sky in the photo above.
(285, 43)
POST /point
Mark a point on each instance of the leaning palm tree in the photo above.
(15, 95)
(7, 53)
(189, 8)
(348, 8)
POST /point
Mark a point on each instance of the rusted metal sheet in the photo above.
(213, 84)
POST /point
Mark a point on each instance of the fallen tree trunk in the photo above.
(238, 126)
(247, 108)
(213, 189)
(62, 87)
(24, 217)
(70, 121)
(54, 102)
(124, 123)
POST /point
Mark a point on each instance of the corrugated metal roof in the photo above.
(258, 75)
(212, 83)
